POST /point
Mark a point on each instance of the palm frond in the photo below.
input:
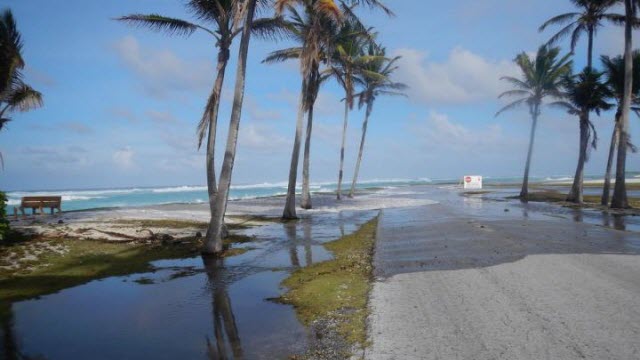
(24, 98)
(274, 28)
(155, 22)
(283, 55)
(512, 105)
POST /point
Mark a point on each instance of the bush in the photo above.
(4, 222)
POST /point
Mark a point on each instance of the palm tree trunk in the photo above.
(524, 193)
(289, 212)
(212, 113)
(606, 189)
(575, 195)
(354, 181)
(344, 140)
(590, 48)
(306, 193)
(620, 200)
(215, 245)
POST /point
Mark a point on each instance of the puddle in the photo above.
(187, 308)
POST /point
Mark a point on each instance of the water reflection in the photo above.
(227, 344)
(615, 221)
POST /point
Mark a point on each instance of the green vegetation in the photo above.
(592, 201)
(4, 223)
(337, 290)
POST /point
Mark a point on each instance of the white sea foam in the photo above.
(179, 189)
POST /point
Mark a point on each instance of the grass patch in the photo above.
(337, 289)
(590, 201)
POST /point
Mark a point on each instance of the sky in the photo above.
(122, 103)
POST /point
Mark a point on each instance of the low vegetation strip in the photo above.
(336, 291)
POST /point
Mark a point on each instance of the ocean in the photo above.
(83, 199)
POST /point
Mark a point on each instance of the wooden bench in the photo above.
(39, 203)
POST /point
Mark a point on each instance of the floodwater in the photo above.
(185, 309)
(220, 309)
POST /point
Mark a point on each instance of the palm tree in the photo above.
(588, 20)
(619, 200)
(223, 16)
(311, 30)
(614, 69)
(15, 95)
(346, 61)
(541, 78)
(213, 243)
(376, 79)
(584, 93)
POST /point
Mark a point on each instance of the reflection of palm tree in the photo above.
(308, 256)
(292, 235)
(9, 343)
(224, 322)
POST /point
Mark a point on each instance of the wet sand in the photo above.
(469, 278)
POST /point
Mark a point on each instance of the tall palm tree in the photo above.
(345, 63)
(614, 70)
(619, 200)
(584, 93)
(587, 20)
(541, 78)
(376, 79)
(222, 17)
(310, 30)
(15, 95)
(213, 243)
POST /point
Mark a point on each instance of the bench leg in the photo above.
(51, 210)
(15, 212)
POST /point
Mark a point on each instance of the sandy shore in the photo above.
(474, 279)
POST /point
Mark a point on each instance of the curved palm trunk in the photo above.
(306, 193)
(620, 200)
(364, 134)
(214, 245)
(575, 195)
(289, 212)
(606, 189)
(344, 140)
(212, 112)
(524, 192)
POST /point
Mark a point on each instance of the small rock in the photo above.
(198, 235)
(60, 221)
(506, 210)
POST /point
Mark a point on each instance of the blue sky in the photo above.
(122, 104)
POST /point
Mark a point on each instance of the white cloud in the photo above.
(262, 138)
(463, 78)
(162, 71)
(123, 157)
(439, 133)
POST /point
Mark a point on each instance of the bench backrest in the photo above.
(44, 201)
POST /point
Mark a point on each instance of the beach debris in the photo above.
(198, 235)
(60, 221)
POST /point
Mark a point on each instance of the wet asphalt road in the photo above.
(469, 278)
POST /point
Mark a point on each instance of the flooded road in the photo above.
(188, 308)
(483, 277)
